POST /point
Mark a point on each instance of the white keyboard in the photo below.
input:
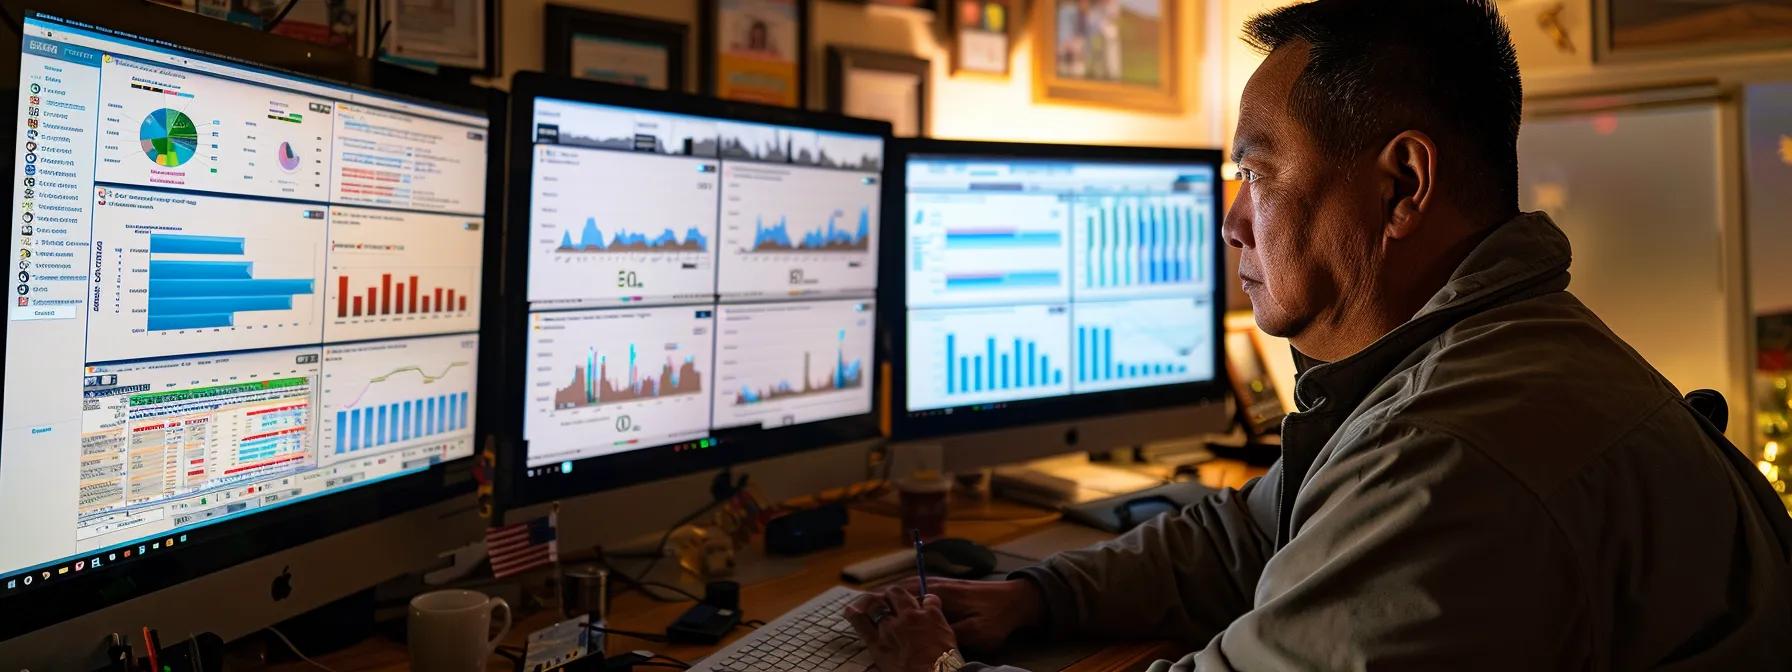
(813, 636)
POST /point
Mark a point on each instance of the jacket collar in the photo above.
(1524, 257)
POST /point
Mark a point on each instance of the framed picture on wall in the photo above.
(1626, 29)
(755, 51)
(879, 85)
(927, 5)
(615, 48)
(433, 34)
(1119, 53)
(980, 37)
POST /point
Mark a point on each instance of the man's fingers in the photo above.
(932, 602)
(861, 623)
(859, 615)
(901, 599)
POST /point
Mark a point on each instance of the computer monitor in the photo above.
(244, 314)
(1054, 297)
(699, 281)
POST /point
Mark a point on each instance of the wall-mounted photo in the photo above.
(1647, 28)
(879, 85)
(1108, 52)
(980, 37)
(615, 48)
(434, 34)
(754, 50)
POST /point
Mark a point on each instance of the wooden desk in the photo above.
(869, 534)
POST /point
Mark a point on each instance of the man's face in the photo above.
(1307, 236)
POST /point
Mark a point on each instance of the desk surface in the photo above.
(869, 534)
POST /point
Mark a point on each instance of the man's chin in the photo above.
(1272, 323)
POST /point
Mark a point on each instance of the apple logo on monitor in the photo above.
(282, 586)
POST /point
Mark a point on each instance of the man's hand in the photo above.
(905, 635)
(985, 613)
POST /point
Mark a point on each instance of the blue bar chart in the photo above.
(987, 366)
(401, 421)
(961, 356)
(197, 294)
(389, 395)
(1141, 245)
(1141, 343)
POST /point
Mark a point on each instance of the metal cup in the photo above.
(584, 589)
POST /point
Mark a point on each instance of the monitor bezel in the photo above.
(514, 488)
(226, 544)
(905, 426)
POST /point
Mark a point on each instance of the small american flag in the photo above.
(520, 547)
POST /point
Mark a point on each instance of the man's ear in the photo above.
(1408, 164)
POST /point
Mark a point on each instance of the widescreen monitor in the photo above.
(244, 310)
(699, 282)
(1047, 284)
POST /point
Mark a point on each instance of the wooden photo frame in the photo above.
(755, 51)
(456, 35)
(879, 85)
(981, 35)
(1626, 30)
(1118, 53)
(923, 5)
(615, 48)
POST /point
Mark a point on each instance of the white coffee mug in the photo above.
(449, 630)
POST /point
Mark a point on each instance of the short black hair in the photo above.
(1379, 67)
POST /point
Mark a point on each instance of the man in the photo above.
(1480, 474)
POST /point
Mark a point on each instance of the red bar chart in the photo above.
(403, 295)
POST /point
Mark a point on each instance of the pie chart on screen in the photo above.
(289, 159)
(169, 137)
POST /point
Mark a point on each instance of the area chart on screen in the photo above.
(611, 227)
(790, 363)
(795, 230)
(606, 381)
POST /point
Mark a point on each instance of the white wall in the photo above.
(966, 106)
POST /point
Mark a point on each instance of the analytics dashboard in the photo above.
(1036, 278)
(231, 289)
(688, 274)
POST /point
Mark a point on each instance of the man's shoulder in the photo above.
(1540, 386)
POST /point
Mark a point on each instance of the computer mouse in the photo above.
(958, 558)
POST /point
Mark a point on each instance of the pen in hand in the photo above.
(920, 562)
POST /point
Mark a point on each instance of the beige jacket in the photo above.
(1500, 483)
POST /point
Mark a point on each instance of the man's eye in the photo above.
(1246, 175)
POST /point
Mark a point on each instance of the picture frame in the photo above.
(981, 35)
(881, 85)
(1114, 53)
(755, 51)
(1633, 30)
(436, 35)
(922, 5)
(615, 48)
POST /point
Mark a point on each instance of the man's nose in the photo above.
(1237, 226)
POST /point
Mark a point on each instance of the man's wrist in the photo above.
(1030, 603)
